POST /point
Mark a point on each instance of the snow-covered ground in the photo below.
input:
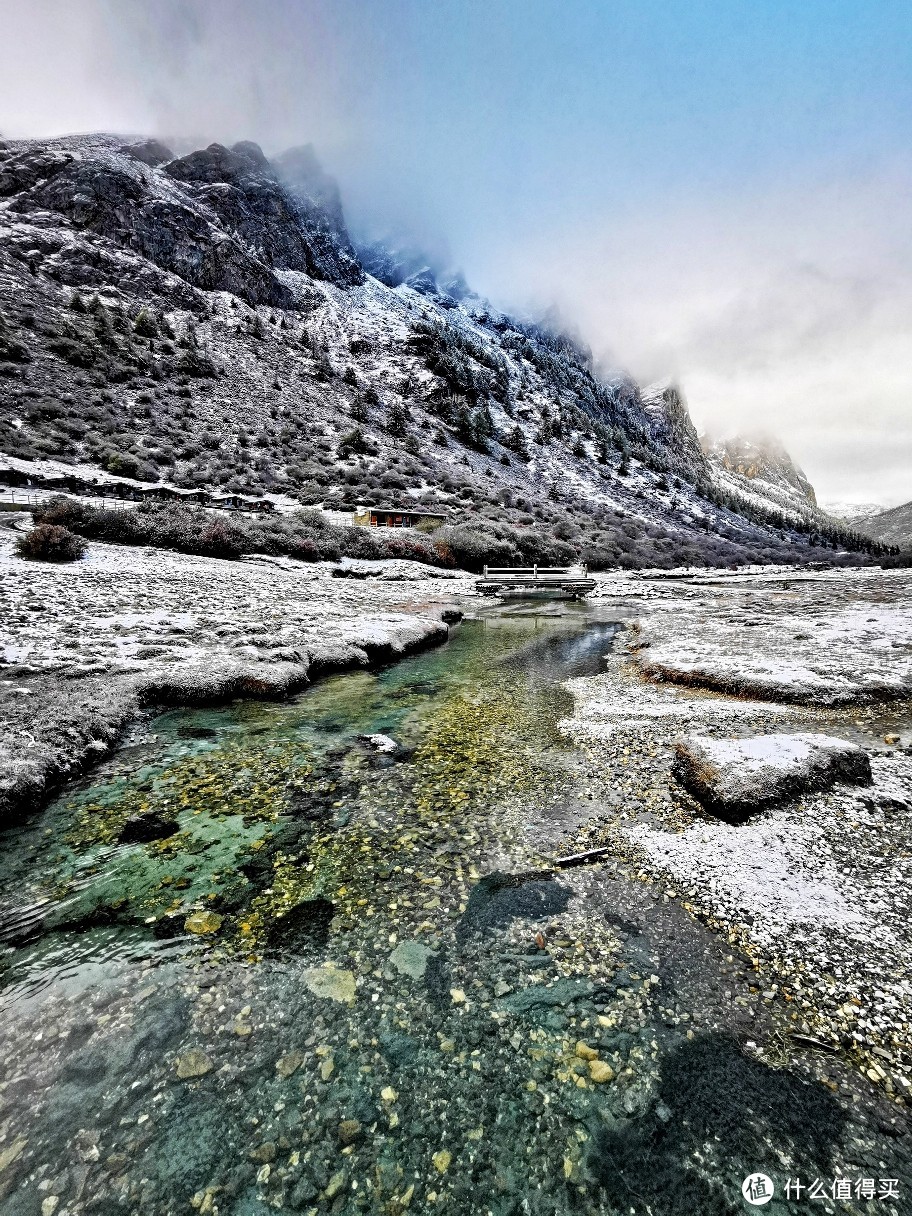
(82, 644)
(816, 892)
(825, 638)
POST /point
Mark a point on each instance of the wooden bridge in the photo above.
(524, 580)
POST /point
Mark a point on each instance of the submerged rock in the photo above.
(349, 1131)
(203, 923)
(289, 1064)
(734, 777)
(193, 1063)
(411, 958)
(302, 929)
(600, 1071)
(331, 982)
(143, 829)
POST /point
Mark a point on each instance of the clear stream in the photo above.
(256, 963)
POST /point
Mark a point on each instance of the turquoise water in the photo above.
(255, 964)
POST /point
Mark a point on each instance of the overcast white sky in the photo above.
(716, 191)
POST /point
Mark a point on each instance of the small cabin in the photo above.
(396, 517)
(242, 502)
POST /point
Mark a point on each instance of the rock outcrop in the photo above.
(221, 219)
(760, 465)
(732, 778)
(671, 425)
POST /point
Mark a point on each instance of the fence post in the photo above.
(535, 570)
(485, 572)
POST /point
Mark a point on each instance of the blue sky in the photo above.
(714, 191)
(583, 104)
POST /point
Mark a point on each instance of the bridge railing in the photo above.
(535, 572)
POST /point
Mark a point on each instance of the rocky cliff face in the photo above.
(760, 465)
(671, 426)
(205, 320)
(220, 219)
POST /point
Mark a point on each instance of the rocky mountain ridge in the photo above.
(206, 320)
(760, 465)
(892, 527)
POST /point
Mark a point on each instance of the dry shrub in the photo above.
(51, 543)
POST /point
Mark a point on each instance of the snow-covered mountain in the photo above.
(206, 320)
(893, 527)
(760, 467)
(853, 512)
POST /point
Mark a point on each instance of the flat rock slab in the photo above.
(733, 778)
(411, 958)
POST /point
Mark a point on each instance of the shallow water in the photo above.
(386, 1014)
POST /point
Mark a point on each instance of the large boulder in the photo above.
(732, 778)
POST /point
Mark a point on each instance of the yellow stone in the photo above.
(326, 1068)
(331, 982)
(193, 1063)
(442, 1160)
(585, 1052)
(334, 1186)
(599, 1071)
(203, 922)
(388, 1094)
(9, 1154)
(288, 1064)
(457, 996)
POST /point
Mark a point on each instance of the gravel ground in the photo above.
(815, 894)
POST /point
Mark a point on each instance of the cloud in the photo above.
(787, 311)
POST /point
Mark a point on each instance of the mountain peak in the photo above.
(761, 461)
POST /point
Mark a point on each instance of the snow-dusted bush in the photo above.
(51, 543)
(164, 525)
(306, 535)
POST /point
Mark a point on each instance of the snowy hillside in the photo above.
(206, 321)
(853, 512)
(893, 527)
